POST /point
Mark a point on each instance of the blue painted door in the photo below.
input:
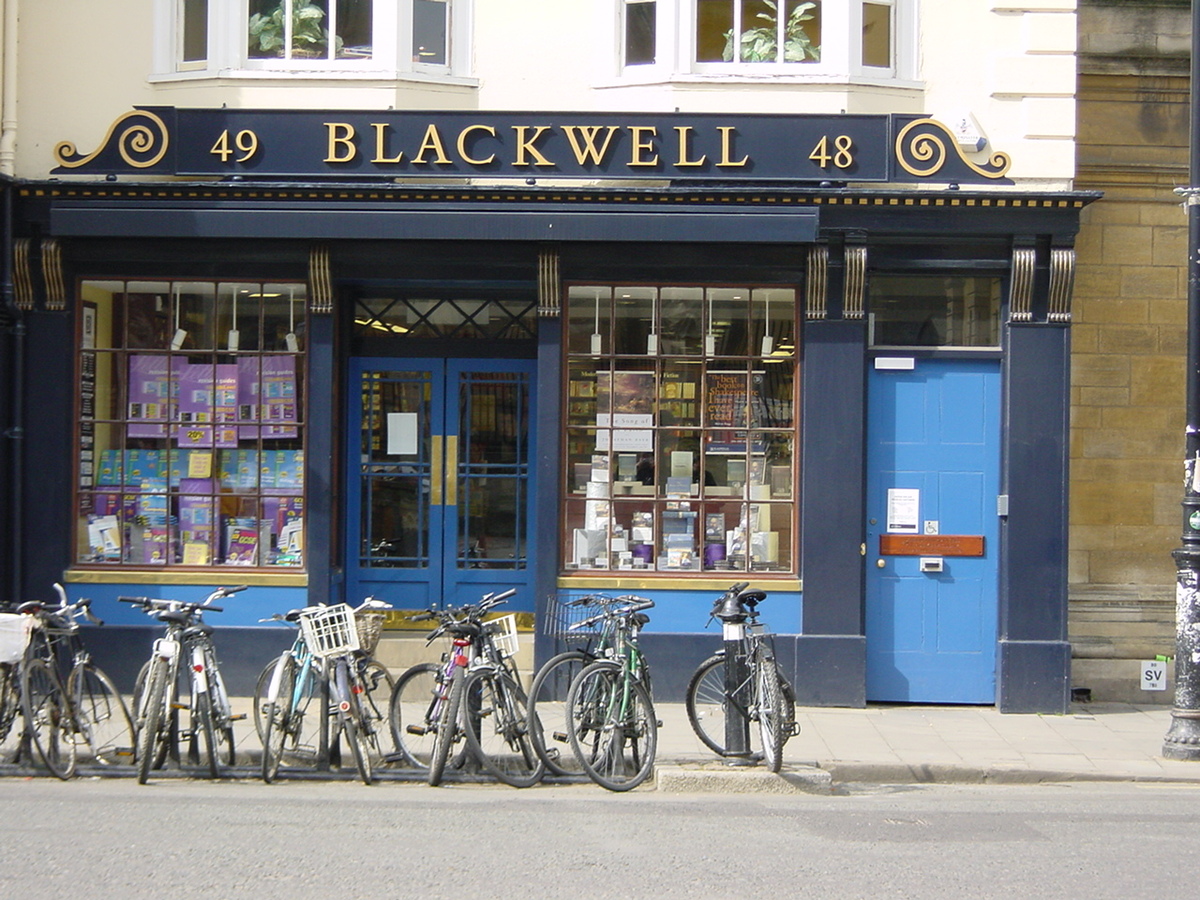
(933, 467)
(438, 487)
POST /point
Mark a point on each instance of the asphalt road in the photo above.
(186, 839)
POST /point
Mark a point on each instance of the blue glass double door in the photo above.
(932, 551)
(438, 483)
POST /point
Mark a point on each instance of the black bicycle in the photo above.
(742, 706)
(68, 703)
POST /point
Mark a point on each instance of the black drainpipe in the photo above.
(16, 429)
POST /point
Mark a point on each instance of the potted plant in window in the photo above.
(309, 38)
(762, 44)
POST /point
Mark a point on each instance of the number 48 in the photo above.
(842, 157)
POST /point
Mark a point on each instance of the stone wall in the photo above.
(1128, 341)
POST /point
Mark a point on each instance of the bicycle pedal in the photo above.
(180, 706)
(560, 736)
(237, 718)
(419, 730)
(658, 723)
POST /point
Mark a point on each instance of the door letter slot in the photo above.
(931, 564)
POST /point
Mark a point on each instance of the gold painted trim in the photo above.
(817, 284)
(1062, 283)
(435, 470)
(22, 279)
(617, 583)
(138, 138)
(930, 148)
(549, 285)
(320, 280)
(400, 620)
(1020, 302)
(856, 282)
(452, 470)
(52, 272)
(228, 576)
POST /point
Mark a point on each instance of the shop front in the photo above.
(422, 356)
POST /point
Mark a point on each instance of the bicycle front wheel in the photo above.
(10, 701)
(153, 718)
(446, 731)
(413, 701)
(705, 703)
(614, 729)
(497, 728)
(277, 716)
(548, 711)
(47, 719)
(101, 717)
(769, 701)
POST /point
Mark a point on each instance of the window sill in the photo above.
(390, 76)
(659, 78)
(225, 575)
(710, 582)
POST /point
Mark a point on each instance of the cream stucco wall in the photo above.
(84, 64)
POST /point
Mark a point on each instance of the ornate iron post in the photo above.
(1183, 736)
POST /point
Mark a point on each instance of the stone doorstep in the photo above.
(720, 778)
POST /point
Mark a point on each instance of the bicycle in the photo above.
(329, 639)
(754, 688)
(66, 700)
(613, 727)
(183, 663)
(14, 638)
(473, 696)
(548, 693)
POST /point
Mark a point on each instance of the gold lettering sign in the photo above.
(341, 147)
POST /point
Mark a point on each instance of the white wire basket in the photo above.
(329, 630)
(504, 634)
(14, 636)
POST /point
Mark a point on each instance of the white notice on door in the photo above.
(903, 510)
(401, 434)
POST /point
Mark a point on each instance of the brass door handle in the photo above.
(435, 470)
(452, 470)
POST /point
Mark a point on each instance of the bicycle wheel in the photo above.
(104, 726)
(277, 714)
(548, 711)
(446, 730)
(413, 700)
(47, 719)
(153, 719)
(768, 702)
(222, 712)
(497, 728)
(260, 697)
(705, 703)
(347, 699)
(614, 729)
(377, 685)
(10, 701)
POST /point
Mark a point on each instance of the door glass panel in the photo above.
(396, 453)
(492, 471)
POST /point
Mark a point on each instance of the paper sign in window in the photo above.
(401, 434)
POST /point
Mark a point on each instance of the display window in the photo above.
(191, 424)
(681, 431)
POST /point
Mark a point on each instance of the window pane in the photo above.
(430, 28)
(681, 460)
(295, 29)
(877, 35)
(354, 29)
(938, 311)
(640, 32)
(191, 452)
(714, 30)
(194, 28)
(802, 38)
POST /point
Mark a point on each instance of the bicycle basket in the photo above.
(14, 636)
(329, 630)
(504, 634)
(565, 612)
(370, 628)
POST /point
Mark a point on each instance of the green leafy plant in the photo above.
(308, 36)
(761, 44)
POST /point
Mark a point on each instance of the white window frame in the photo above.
(228, 47)
(841, 48)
